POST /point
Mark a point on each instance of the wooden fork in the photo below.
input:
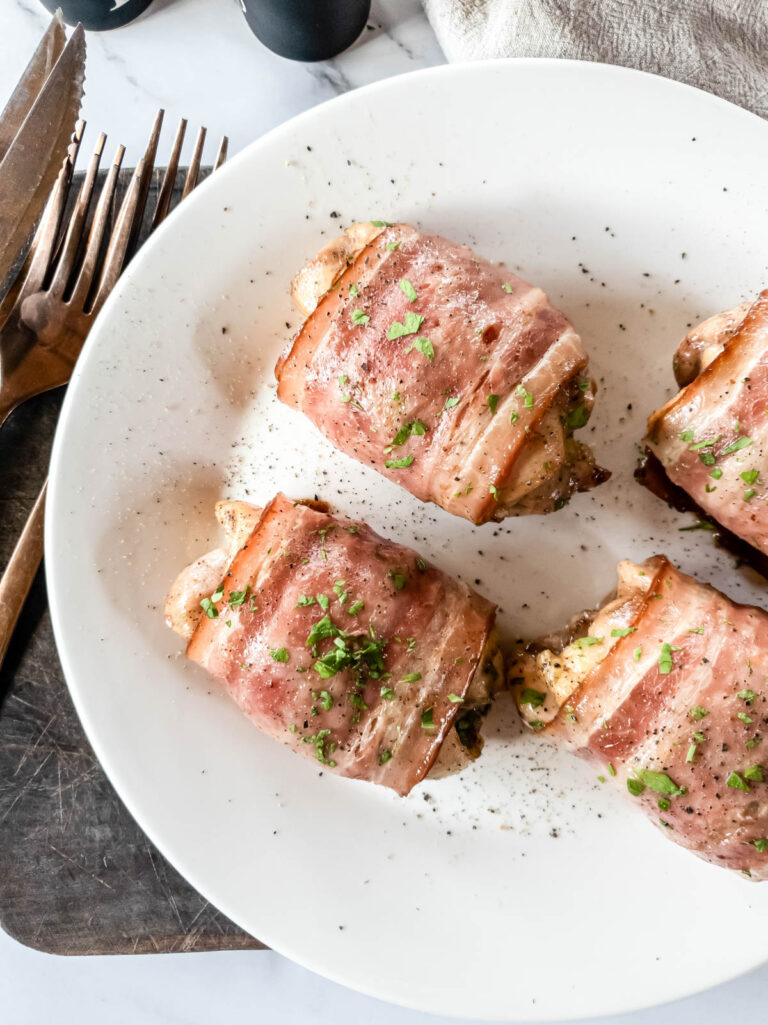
(69, 274)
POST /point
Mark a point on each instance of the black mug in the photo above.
(307, 30)
(98, 15)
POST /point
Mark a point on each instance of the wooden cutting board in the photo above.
(77, 875)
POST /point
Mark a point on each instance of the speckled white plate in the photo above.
(522, 889)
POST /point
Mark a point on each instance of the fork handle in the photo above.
(20, 571)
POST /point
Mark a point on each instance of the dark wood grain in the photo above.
(77, 875)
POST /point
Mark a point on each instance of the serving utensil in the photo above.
(74, 266)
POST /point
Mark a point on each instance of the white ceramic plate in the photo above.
(522, 889)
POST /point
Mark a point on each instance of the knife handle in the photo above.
(20, 571)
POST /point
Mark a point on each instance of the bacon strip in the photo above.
(683, 696)
(411, 641)
(479, 400)
(712, 437)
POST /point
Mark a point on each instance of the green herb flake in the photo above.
(387, 692)
(717, 473)
(411, 324)
(357, 702)
(326, 700)
(380, 224)
(360, 317)
(611, 770)
(304, 600)
(761, 845)
(635, 787)
(392, 246)
(577, 417)
(356, 607)
(279, 654)
(736, 782)
(587, 642)
(623, 631)
(450, 403)
(754, 774)
(526, 396)
(424, 346)
(237, 598)
(514, 417)
(744, 717)
(749, 494)
(322, 601)
(691, 753)
(687, 437)
(698, 712)
(507, 288)
(353, 290)
(660, 782)
(427, 719)
(750, 476)
(398, 464)
(534, 698)
(455, 699)
(492, 402)
(411, 678)
(752, 742)
(384, 757)
(747, 695)
(398, 579)
(637, 653)
(665, 658)
(408, 290)
(493, 491)
(737, 446)
(209, 608)
(664, 804)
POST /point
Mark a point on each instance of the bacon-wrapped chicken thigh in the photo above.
(712, 438)
(349, 648)
(445, 372)
(664, 691)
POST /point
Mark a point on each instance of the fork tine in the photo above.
(169, 179)
(131, 214)
(147, 163)
(193, 172)
(96, 236)
(221, 156)
(73, 237)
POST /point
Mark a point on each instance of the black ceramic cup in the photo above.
(307, 30)
(98, 15)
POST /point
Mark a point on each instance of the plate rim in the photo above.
(54, 575)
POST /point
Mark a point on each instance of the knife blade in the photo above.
(31, 82)
(35, 156)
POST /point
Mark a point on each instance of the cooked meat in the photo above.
(664, 690)
(349, 648)
(712, 437)
(445, 372)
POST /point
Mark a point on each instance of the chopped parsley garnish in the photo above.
(664, 804)
(707, 458)
(322, 746)
(326, 700)
(691, 753)
(623, 631)
(747, 695)
(534, 698)
(526, 396)
(279, 654)
(357, 702)
(408, 290)
(507, 288)
(450, 403)
(413, 427)
(304, 600)
(750, 476)
(209, 608)
(380, 224)
(754, 774)
(577, 417)
(356, 607)
(238, 597)
(398, 579)
(587, 642)
(424, 346)
(455, 699)
(387, 692)
(744, 717)
(514, 417)
(637, 653)
(322, 601)
(427, 720)
(660, 783)
(363, 654)
(717, 473)
(611, 770)
(339, 589)
(493, 491)
(761, 845)
(411, 678)
(492, 402)
(398, 464)
(392, 246)
(360, 317)
(698, 525)
(749, 494)
(411, 324)
(698, 712)
(635, 787)
(353, 289)
(752, 742)
(687, 437)
(384, 757)
(735, 781)
(737, 446)
(665, 658)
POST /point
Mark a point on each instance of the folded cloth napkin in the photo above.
(718, 45)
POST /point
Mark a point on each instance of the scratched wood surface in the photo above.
(77, 875)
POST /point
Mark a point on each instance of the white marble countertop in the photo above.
(198, 59)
